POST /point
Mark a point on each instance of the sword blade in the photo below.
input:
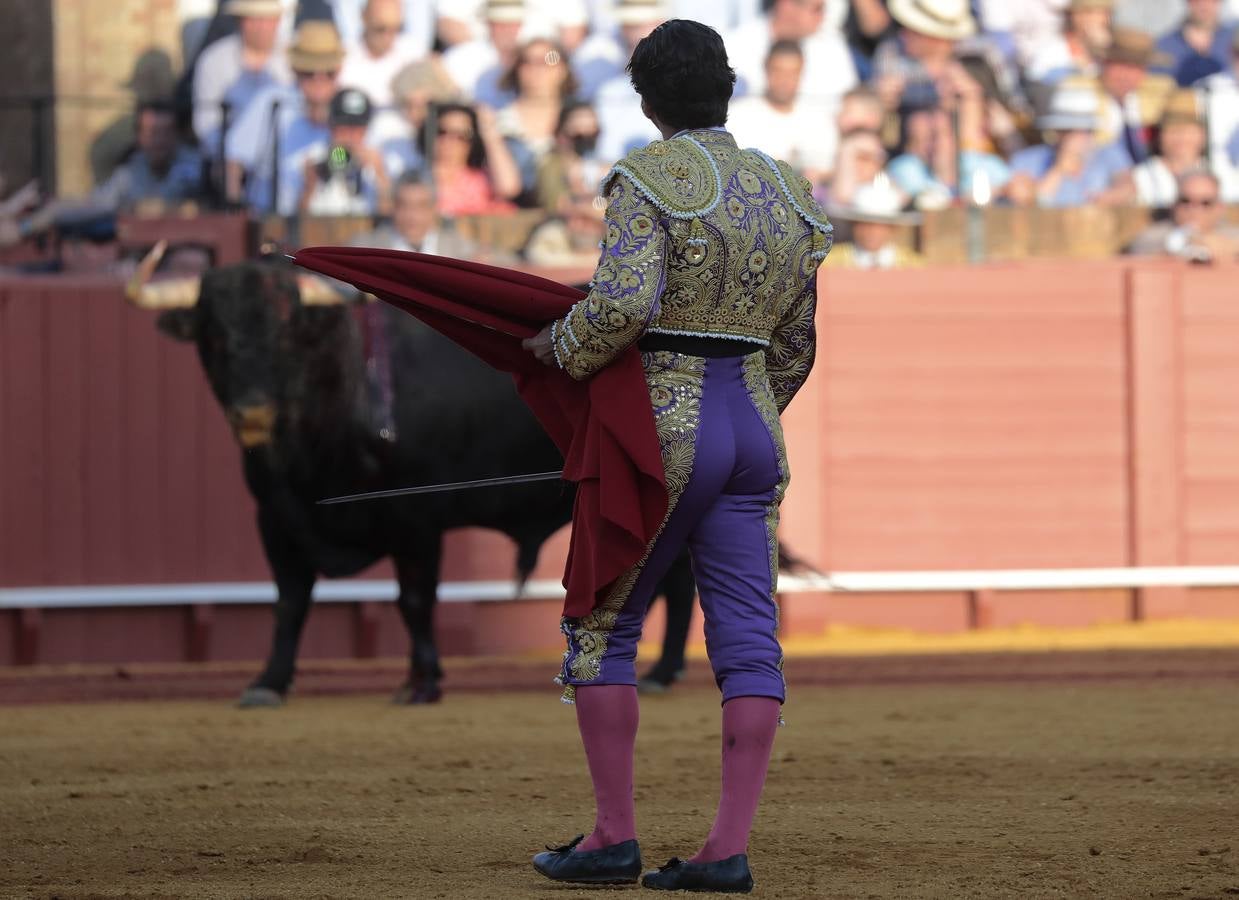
(439, 488)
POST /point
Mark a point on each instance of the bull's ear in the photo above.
(180, 324)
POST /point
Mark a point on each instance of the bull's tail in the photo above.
(526, 560)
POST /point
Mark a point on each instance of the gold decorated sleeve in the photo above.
(626, 288)
(793, 347)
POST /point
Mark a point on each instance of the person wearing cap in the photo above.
(829, 71)
(477, 67)
(919, 61)
(371, 62)
(780, 123)
(1132, 96)
(1079, 48)
(348, 177)
(876, 213)
(1200, 46)
(1069, 168)
(603, 55)
(237, 68)
(294, 121)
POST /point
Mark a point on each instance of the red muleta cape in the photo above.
(603, 426)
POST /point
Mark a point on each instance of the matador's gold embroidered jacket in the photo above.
(706, 239)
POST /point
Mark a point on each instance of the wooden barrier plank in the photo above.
(64, 462)
(106, 440)
(1155, 432)
(143, 449)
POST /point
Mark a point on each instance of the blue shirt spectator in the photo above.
(1199, 47)
(1078, 189)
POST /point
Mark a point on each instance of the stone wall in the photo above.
(107, 54)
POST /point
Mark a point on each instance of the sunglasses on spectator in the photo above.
(310, 76)
(461, 134)
(1203, 202)
(385, 29)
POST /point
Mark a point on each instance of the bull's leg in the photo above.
(294, 581)
(678, 589)
(418, 574)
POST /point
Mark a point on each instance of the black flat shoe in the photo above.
(727, 876)
(617, 864)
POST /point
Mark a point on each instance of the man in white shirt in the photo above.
(237, 68)
(781, 126)
(419, 18)
(384, 49)
(829, 71)
(477, 67)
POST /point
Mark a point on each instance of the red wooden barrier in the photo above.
(1010, 416)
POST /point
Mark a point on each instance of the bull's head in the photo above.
(236, 316)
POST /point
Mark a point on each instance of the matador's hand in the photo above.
(541, 346)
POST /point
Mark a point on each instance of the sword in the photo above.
(439, 488)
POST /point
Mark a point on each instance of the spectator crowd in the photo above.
(889, 107)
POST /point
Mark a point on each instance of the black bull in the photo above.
(292, 380)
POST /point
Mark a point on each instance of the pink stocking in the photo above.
(749, 724)
(607, 717)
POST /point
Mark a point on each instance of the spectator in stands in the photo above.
(419, 20)
(572, 167)
(478, 66)
(1029, 25)
(162, 173)
(867, 24)
(349, 177)
(932, 169)
(914, 67)
(779, 124)
(624, 126)
(1200, 46)
(542, 81)
(1079, 48)
(1069, 168)
(1132, 97)
(415, 224)
(571, 238)
(876, 217)
(861, 157)
(297, 126)
(238, 68)
(1220, 100)
(397, 131)
(1196, 231)
(829, 71)
(473, 172)
(1180, 149)
(604, 54)
(371, 63)
(860, 110)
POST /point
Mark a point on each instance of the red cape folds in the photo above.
(603, 426)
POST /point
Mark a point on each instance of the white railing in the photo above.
(380, 590)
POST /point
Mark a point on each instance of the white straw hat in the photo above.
(948, 19)
(1071, 109)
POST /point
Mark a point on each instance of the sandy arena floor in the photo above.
(1107, 788)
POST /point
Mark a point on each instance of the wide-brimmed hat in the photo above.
(948, 19)
(253, 8)
(1182, 106)
(1071, 109)
(638, 12)
(1134, 47)
(1083, 5)
(505, 10)
(878, 202)
(316, 48)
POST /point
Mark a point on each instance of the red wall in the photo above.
(1024, 415)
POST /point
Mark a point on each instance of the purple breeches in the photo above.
(726, 471)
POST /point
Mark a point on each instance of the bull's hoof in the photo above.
(255, 697)
(410, 694)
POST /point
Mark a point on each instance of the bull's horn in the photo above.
(170, 293)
